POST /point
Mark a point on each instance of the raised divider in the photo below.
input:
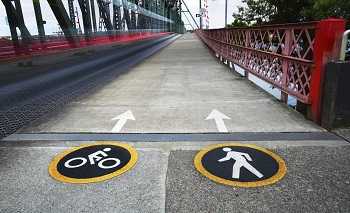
(59, 44)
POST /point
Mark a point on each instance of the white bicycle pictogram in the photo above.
(93, 158)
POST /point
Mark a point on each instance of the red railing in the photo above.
(291, 57)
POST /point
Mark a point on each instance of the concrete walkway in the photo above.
(174, 92)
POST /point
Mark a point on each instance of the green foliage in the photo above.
(238, 23)
(286, 11)
(331, 8)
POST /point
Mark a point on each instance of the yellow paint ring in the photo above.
(282, 169)
(58, 176)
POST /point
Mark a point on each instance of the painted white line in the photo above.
(122, 119)
(219, 120)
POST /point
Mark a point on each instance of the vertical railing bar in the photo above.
(247, 44)
(285, 64)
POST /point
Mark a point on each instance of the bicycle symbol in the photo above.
(93, 159)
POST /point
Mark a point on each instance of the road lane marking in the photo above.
(122, 119)
(219, 118)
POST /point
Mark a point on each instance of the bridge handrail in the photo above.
(289, 56)
(264, 52)
(287, 25)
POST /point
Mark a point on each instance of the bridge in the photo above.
(170, 94)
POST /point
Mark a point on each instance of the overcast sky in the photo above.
(216, 11)
(216, 14)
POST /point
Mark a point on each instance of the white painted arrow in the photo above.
(122, 119)
(219, 120)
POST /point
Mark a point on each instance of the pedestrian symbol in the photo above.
(240, 165)
(93, 163)
(240, 160)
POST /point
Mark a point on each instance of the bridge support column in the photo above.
(15, 19)
(85, 11)
(133, 16)
(117, 18)
(63, 19)
(327, 44)
(72, 15)
(105, 17)
(39, 20)
(126, 15)
(336, 101)
(93, 15)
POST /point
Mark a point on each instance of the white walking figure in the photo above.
(241, 160)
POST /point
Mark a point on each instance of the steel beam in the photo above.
(39, 20)
(105, 14)
(147, 6)
(72, 13)
(188, 10)
(63, 19)
(141, 21)
(133, 16)
(15, 18)
(126, 16)
(117, 17)
(93, 15)
(85, 11)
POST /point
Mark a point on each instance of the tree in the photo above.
(258, 12)
(330, 8)
(238, 23)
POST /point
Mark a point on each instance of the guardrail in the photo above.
(57, 44)
(291, 57)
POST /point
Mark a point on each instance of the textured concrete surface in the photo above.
(25, 185)
(174, 91)
(317, 180)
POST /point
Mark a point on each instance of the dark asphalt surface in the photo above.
(25, 101)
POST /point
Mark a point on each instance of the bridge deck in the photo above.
(173, 92)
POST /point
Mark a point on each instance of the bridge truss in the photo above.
(115, 18)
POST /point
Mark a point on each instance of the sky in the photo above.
(216, 9)
(216, 14)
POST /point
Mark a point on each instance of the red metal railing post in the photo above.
(286, 51)
(326, 48)
(247, 44)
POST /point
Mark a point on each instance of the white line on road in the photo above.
(219, 120)
(122, 119)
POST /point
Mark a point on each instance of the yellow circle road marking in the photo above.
(282, 169)
(58, 176)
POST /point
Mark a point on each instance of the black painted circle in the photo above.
(92, 171)
(261, 161)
